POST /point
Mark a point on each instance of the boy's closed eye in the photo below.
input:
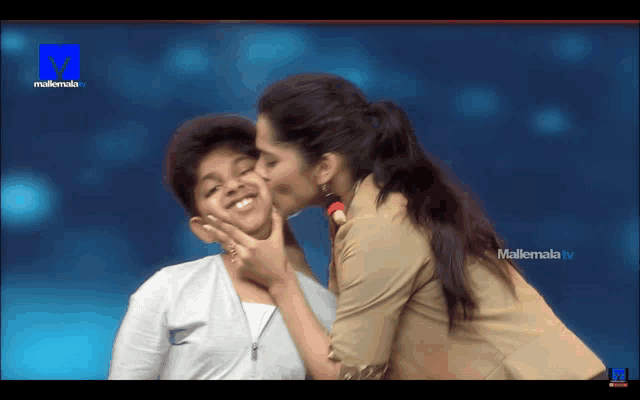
(246, 171)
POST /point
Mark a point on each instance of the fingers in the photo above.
(228, 244)
(220, 237)
(227, 232)
(221, 229)
(277, 219)
(214, 236)
(239, 254)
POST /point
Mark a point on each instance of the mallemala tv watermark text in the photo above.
(53, 84)
(544, 255)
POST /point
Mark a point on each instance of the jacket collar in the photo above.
(365, 189)
(364, 200)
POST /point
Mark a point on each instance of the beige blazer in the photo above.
(391, 319)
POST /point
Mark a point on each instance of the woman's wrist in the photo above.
(279, 289)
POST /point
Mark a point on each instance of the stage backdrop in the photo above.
(541, 122)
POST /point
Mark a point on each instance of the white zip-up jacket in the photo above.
(186, 322)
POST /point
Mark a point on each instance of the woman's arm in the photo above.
(333, 280)
(297, 260)
(375, 265)
(311, 339)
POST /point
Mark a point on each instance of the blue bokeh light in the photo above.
(350, 64)
(27, 199)
(404, 84)
(357, 77)
(550, 121)
(12, 41)
(571, 47)
(477, 102)
(260, 53)
(189, 57)
(191, 60)
(270, 48)
(62, 342)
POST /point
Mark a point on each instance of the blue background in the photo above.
(59, 54)
(541, 122)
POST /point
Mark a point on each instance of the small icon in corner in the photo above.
(618, 377)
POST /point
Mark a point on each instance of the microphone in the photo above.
(335, 209)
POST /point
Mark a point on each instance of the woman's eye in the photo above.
(267, 164)
(211, 191)
(249, 170)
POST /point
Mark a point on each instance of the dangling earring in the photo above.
(333, 206)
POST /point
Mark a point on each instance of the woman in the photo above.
(421, 291)
(200, 319)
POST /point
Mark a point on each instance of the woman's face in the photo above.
(283, 168)
(228, 187)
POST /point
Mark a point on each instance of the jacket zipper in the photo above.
(254, 345)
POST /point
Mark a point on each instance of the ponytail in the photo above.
(391, 148)
(460, 229)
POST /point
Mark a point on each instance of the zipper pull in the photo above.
(254, 352)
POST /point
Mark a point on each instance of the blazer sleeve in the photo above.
(142, 342)
(379, 262)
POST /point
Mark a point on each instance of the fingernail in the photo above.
(212, 218)
(207, 227)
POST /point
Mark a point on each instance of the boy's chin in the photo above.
(254, 229)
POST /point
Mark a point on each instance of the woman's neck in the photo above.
(346, 196)
(344, 186)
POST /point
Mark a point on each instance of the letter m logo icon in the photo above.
(59, 62)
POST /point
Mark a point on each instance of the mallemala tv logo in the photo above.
(59, 66)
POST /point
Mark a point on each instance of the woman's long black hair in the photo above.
(323, 113)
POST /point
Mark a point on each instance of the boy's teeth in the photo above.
(242, 203)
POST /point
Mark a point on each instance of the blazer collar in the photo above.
(366, 193)
(364, 200)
